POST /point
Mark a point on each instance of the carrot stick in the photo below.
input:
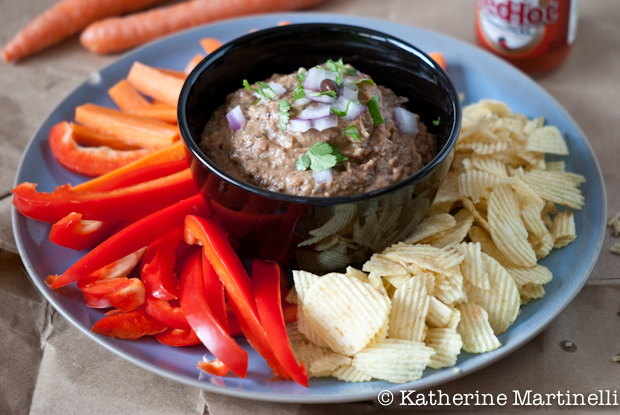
(121, 33)
(439, 58)
(172, 72)
(209, 44)
(126, 97)
(158, 111)
(129, 128)
(154, 83)
(64, 19)
(85, 136)
(173, 153)
(193, 62)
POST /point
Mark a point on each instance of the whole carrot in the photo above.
(65, 18)
(120, 33)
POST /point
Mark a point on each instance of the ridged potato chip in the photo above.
(464, 220)
(547, 139)
(486, 164)
(502, 301)
(529, 277)
(476, 184)
(326, 365)
(394, 360)
(348, 373)
(409, 310)
(449, 289)
(475, 330)
(303, 281)
(427, 257)
(343, 214)
(438, 314)
(472, 267)
(382, 266)
(480, 218)
(563, 229)
(478, 235)
(531, 293)
(447, 344)
(507, 228)
(431, 226)
(553, 186)
(344, 312)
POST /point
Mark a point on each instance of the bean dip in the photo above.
(266, 150)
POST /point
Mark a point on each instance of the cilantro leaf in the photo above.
(331, 65)
(437, 121)
(265, 92)
(284, 115)
(321, 156)
(364, 80)
(341, 113)
(373, 108)
(332, 94)
(299, 92)
(300, 77)
(352, 132)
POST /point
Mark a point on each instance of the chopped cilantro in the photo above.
(352, 132)
(265, 92)
(321, 156)
(284, 115)
(341, 113)
(437, 121)
(299, 92)
(332, 94)
(300, 77)
(364, 80)
(340, 69)
(373, 108)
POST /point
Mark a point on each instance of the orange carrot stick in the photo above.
(439, 58)
(126, 97)
(158, 111)
(154, 83)
(85, 136)
(172, 72)
(64, 19)
(121, 33)
(173, 153)
(193, 62)
(128, 128)
(209, 44)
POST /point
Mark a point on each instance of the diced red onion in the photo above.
(277, 88)
(355, 110)
(235, 118)
(302, 101)
(315, 76)
(406, 121)
(348, 93)
(299, 125)
(325, 122)
(312, 113)
(323, 176)
(325, 99)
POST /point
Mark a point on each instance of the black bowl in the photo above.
(321, 233)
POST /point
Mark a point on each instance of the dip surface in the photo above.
(262, 154)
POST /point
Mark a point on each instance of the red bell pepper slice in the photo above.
(90, 161)
(178, 337)
(214, 291)
(203, 322)
(129, 296)
(131, 325)
(157, 271)
(266, 281)
(114, 205)
(288, 311)
(74, 233)
(208, 233)
(213, 367)
(165, 312)
(95, 292)
(143, 174)
(139, 234)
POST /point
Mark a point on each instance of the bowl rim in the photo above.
(214, 56)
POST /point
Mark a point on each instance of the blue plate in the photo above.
(476, 73)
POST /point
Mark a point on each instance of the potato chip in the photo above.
(548, 140)
(472, 267)
(326, 365)
(308, 352)
(615, 249)
(480, 219)
(554, 187)
(409, 310)
(531, 293)
(533, 221)
(356, 273)
(464, 220)
(476, 184)
(447, 344)
(496, 107)
(438, 314)
(291, 297)
(526, 278)
(542, 244)
(426, 257)
(502, 301)
(344, 312)
(307, 260)
(507, 228)
(333, 260)
(482, 148)
(394, 360)
(475, 330)
(449, 289)
(525, 195)
(343, 214)
(388, 219)
(449, 190)
(546, 212)
(348, 373)
(455, 319)
(614, 223)
(533, 125)
(364, 233)
(563, 229)
(555, 166)
(486, 164)
(383, 266)
(303, 281)
(477, 234)
(430, 226)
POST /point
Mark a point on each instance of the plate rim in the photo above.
(443, 377)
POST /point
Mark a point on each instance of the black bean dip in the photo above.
(261, 153)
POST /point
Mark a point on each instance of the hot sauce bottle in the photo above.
(534, 35)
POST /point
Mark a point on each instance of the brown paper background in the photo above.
(49, 367)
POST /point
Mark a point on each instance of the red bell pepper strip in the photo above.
(74, 233)
(131, 325)
(214, 291)
(178, 337)
(203, 322)
(129, 296)
(143, 174)
(114, 205)
(208, 233)
(213, 367)
(89, 161)
(95, 292)
(137, 235)
(157, 271)
(163, 311)
(266, 281)
(288, 311)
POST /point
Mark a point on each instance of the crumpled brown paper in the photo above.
(49, 367)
